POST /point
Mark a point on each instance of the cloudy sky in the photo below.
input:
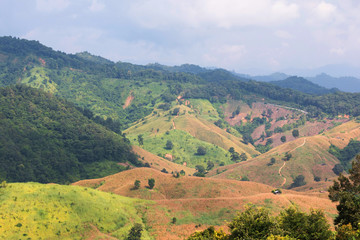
(247, 36)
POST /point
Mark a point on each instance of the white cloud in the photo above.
(96, 6)
(205, 13)
(337, 51)
(52, 5)
(283, 34)
(325, 10)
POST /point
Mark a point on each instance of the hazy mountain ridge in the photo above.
(303, 85)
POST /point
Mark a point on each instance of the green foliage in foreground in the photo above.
(46, 139)
(37, 211)
(256, 223)
(346, 191)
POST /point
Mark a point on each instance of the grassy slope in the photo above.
(203, 201)
(160, 163)
(311, 159)
(191, 130)
(37, 211)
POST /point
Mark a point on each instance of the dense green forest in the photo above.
(103, 86)
(46, 139)
(346, 154)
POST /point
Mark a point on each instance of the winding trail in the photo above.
(173, 121)
(285, 162)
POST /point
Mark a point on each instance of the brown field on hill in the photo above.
(256, 110)
(197, 203)
(159, 163)
(310, 159)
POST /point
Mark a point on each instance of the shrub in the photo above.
(151, 183)
(201, 150)
(136, 184)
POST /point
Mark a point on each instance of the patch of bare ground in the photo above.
(128, 100)
(93, 233)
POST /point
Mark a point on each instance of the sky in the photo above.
(246, 36)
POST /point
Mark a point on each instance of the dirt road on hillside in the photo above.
(285, 162)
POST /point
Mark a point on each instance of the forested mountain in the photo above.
(303, 85)
(104, 87)
(46, 139)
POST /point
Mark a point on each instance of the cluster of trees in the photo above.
(236, 157)
(346, 191)
(345, 155)
(137, 183)
(256, 223)
(46, 139)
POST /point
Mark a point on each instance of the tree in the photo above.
(346, 190)
(295, 133)
(201, 150)
(272, 161)
(136, 184)
(231, 150)
(135, 232)
(235, 157)
(151, 183)
(164, 170)
(338, 168)
(288, 156)
(209, 233)
(304, 226)
(140, 139)
(243, 157)
(283, 138)
(169, 145)
(253, 223)
(200, 171)
(317, 179)
(176, 111)
(298, 181)
(210, 165)
(269, 141)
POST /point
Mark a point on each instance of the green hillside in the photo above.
(46, 139)
(37, 211)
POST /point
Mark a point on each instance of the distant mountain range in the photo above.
(303, 85)
(323, 80)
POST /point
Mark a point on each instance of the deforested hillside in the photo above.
(185, 204)
(46, 139)
(308, 156)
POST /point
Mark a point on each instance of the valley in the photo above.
(92, 149)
